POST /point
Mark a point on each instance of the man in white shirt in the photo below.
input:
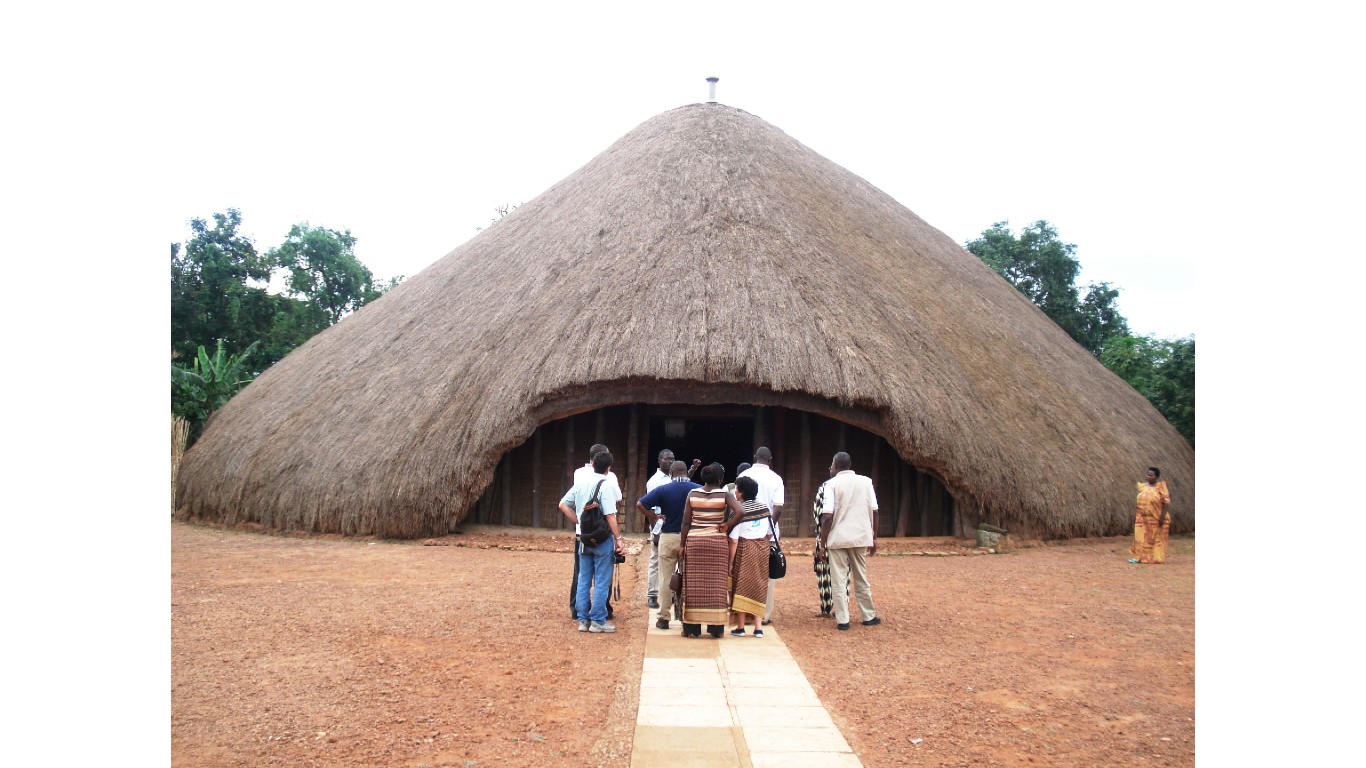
(771, 495)
(581, 475)
(586, 471)
(594, 577)
(848, 536)
(660, 477)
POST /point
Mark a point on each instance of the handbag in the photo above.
(777, 561)
(676, 581)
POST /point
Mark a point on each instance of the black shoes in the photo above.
(873, 622)
(654, 601)
(662, 624)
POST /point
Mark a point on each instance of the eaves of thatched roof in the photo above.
(706, 256)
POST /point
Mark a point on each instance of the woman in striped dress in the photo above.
(708, 515)
(749, 558)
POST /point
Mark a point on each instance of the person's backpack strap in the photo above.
(588, 535)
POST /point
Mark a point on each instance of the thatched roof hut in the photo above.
(708, 284)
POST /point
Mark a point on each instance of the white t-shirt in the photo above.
(753, 529)
(586, 471)
(770, 486)
(583, 489)
(656, 480)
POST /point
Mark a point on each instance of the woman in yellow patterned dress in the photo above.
(704, 547)
(1153, 521)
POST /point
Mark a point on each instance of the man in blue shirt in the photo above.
(669, 498)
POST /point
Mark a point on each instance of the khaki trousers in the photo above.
(851, 565)
(652, 586)
(668, 558)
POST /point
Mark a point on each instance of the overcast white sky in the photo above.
(1165, 139)
(408, 125)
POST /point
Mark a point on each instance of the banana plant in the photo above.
(204, 386)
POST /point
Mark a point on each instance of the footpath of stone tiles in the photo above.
(734, 701)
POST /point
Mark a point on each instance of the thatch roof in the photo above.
(705, 252)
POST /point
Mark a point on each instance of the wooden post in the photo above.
(566, 477)
(905, 487)
(632, 471)
(873, 475)
(922, 497)
(803, 508)
(939, 506)
(536, 479)
(507, 488)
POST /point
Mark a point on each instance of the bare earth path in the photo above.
(324, 651)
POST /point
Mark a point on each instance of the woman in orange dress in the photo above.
(1153, 521)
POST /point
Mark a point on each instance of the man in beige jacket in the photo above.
(848, 536)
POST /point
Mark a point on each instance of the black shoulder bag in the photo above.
(593, 528)
(777, 561)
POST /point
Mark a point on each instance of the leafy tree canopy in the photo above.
(1045, 269)
(1163, 371)
(220, 294)
(324, 271)
(218, 288)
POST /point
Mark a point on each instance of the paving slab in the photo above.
(664, 746)
(732, 701)
(783, 716)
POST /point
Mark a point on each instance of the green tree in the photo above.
(1045, 269)
(324, 271)
(1162, 370)
(204, 386)
(218, 288)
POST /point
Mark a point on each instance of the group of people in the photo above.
(717, 537)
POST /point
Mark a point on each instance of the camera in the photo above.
(618, 557)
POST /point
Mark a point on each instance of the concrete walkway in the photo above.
(736, 701)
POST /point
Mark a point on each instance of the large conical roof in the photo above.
(705, 256)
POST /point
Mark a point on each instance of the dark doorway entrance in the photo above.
(531, 478)
(722, 439)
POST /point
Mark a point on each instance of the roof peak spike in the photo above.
(711, 89)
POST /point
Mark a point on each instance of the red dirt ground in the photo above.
(295, 650)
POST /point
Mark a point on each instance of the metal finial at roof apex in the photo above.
(711, 89)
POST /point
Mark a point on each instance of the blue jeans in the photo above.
(595, 568)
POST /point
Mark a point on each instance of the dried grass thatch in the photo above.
(180, 436)
(705, 252)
